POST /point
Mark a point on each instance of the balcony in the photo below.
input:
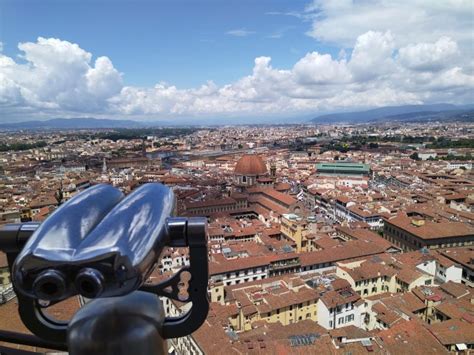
(284, 265)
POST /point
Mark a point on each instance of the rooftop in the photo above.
(342, 166)
(250, 165)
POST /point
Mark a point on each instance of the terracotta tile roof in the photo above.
(431, 229)
(407, 303)
(282, 186)
(463, 256)
(453, 331)
(456, 309)
(340, 284)
(386, 315)
(274, 338)
(369, 270)
(334, 298)
(368, 235)
(286, 299)
(211, 336)
(346, 251)
(457, 290)
(210, 203)
(429, 293)
(43, 201)
(3, 260)
(250, 165)
(224, 266)
(408, 275)
(64, 310)
(278, 196)
(409, 337)
(10, 320)
(415, 258)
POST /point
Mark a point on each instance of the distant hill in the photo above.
(408, 113)
(445, 116)
(96, 123)
(397, 113)
(73, 123)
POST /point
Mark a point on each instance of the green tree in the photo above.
(415, 156)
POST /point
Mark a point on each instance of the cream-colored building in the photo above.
(4, 271)
(369, 277)
(297, 230)
(286, 301)
(6, 287)
(4, 277)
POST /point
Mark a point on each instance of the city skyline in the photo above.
(211, 61)
(321, 239)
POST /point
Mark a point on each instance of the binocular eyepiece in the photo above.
(89, 283)
(50, 285)
(98, 244)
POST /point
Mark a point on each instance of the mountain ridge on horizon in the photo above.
(388, 113)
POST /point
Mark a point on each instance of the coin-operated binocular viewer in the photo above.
(103, 246)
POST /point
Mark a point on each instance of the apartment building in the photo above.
(285, 300)
(381, 274)
(465, 258)
(297, 230)
(414, 231)
(339, 308)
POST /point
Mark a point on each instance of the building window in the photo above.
(340, 320)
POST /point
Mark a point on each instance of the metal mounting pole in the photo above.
(124, 325)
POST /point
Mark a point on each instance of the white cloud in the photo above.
(410, 21)
(241, 32)
(58, 78)
(58, 75)
(315, 68)
(10, 92)
(103, 81)
(372, 55)
(429, 56)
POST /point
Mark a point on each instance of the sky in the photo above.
(230, 60)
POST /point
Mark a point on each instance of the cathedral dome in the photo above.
(250, 165)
